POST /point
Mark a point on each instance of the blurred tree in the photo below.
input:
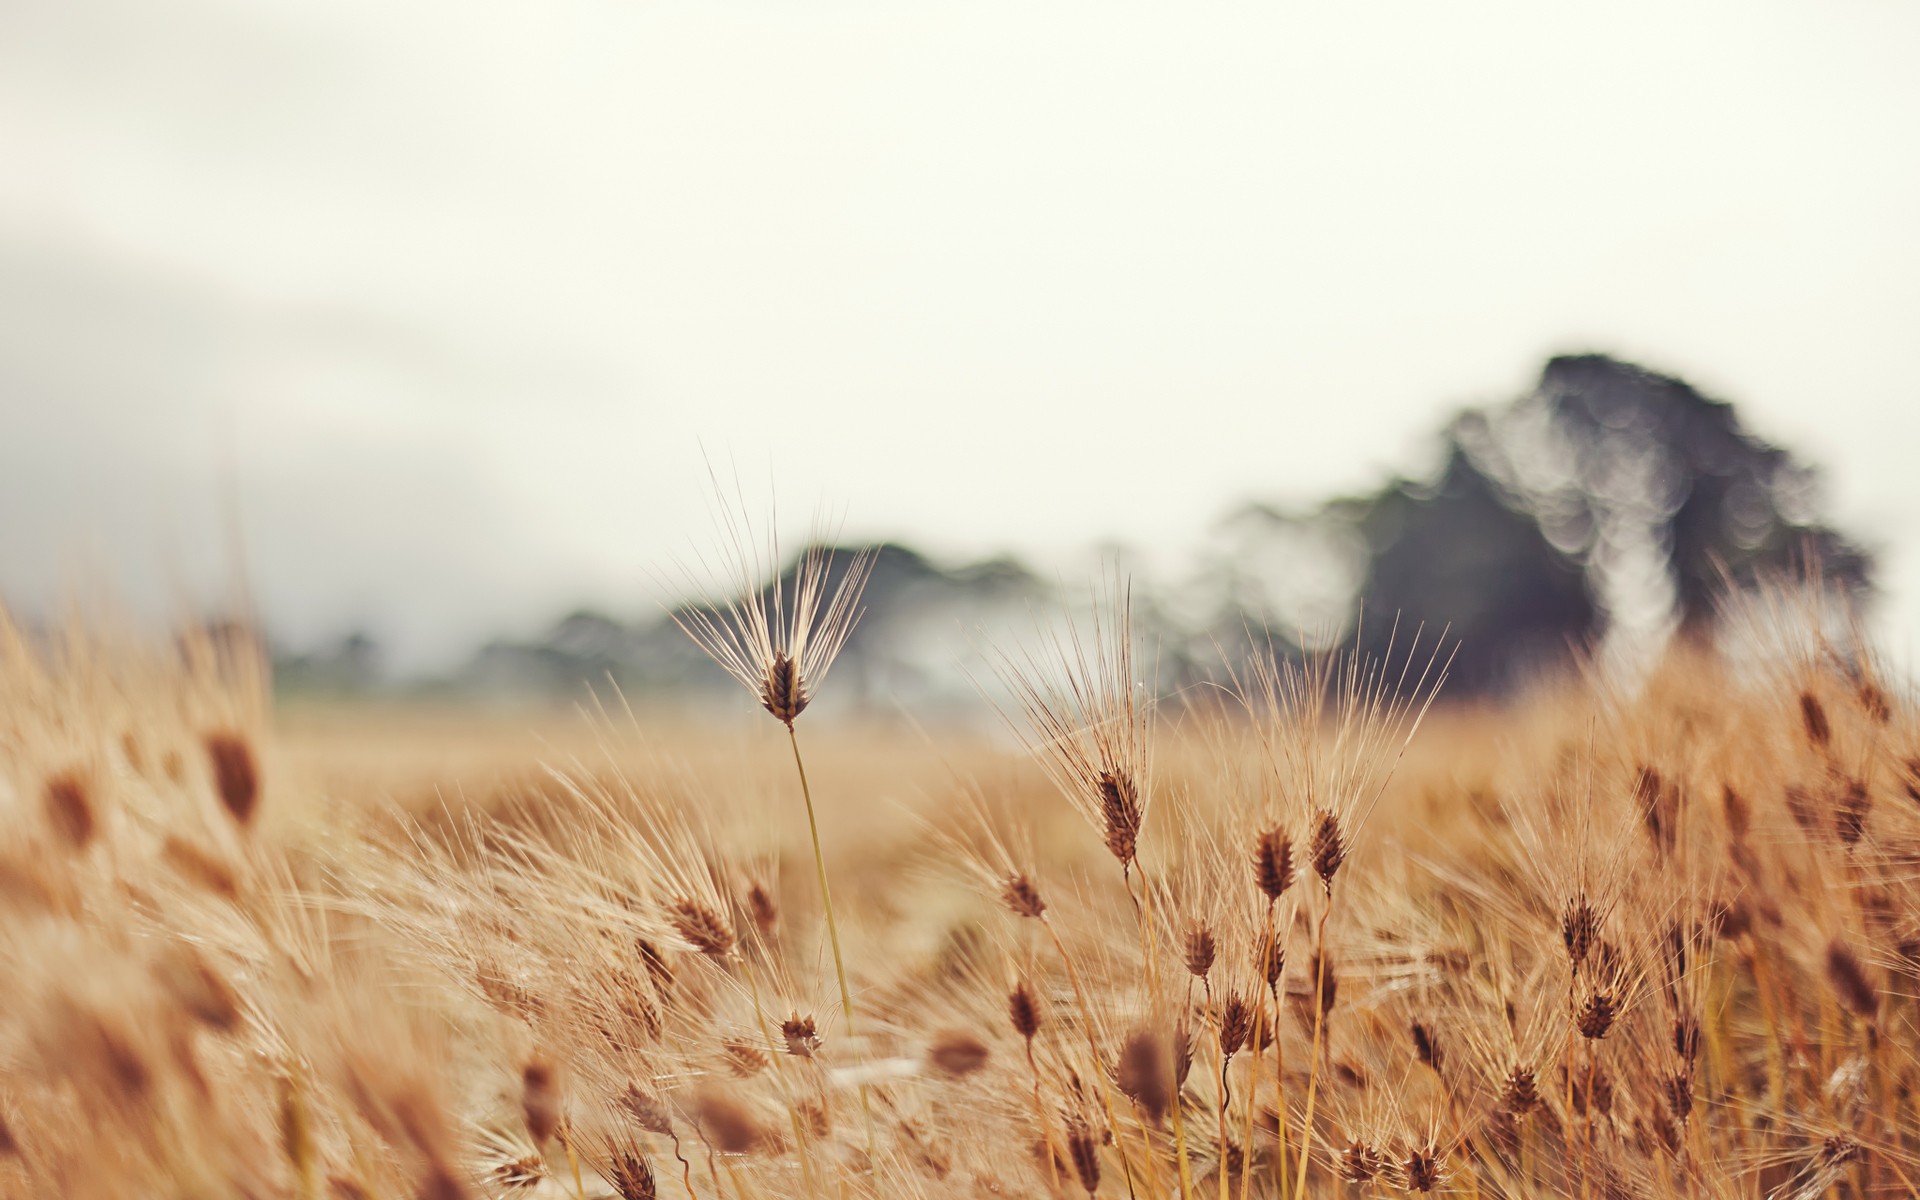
(1610, 499)
(1662, 466)
(1458, 555)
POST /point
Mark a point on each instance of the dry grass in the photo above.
(1602, 942)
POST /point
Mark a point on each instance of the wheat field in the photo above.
(1313, 931)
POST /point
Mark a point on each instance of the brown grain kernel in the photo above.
(1236, 1022)
(702, 928)
(744, 1058)
(762, 909)
(802, 1038)
(1597, 1015)
(782, 692)
(631, 1176)
(1850, 810)
(1120, 813)
(1520, 1094)
(199, 866)
(1738, 813)
(236, 775)
(540, 1099)
(1273, 863)
(647, 1110)
(1329, 847)
(1083, 1150)
(1421, 1170)
(1270, 958)
(1850, 981)
(726, 1121)
(1361, 1163)
(1144, 1073)
(1813, 718)
(1199, 951)
(1425, 1044)
(956, 1053)
(1023, 1011)
(1579, 930)
(1020, 896)
(69, 806)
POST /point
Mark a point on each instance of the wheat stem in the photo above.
(1086, 1022)
(833, 934)
(1319, 1022)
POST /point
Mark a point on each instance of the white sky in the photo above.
(453, 291)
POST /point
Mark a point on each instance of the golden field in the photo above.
(1300, 935)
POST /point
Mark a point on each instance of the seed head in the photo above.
(1579, 930)
(1200, 950)
(1838, 1148)
(440, 1183)
(1850, 982)
(1800, 806)
(1686, 1037)
(1083, 1148)
(1233, 1159)
(647, 1110)
(236, 775)
(1598, 1097)
(1361, 1163)
(202, 992)
(1236, 1023)
(1144, 1073)
(1021, 897)
(1329, 847)
(1813, 716)
(782, 692)
(200, 866)
(1873, 702)
(630, 1175)
(702, 928)
(69, 805)
(1120, 813)
(1659, 804)
(1271, 958)
(1426, 1045)
(540, 1099)
(728, 1123)
(1677, 1089)
(659, 967)
(1023, 1011)
(1422, 1169)
(1521, 1094)
(744, 1058)
(1738, 812)
(802, 1037)
(956, 1053)
(1597, 1015)
(1850, 812)
(1731, 919)
(1273, 863)
(762, 907)
(777, 641)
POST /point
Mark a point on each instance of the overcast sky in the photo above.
(444, 297)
